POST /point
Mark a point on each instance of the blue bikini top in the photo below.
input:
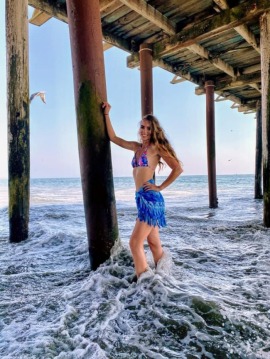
(142, 160)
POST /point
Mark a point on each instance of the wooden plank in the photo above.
(133, 61)
(227, 83)
(39, 17)
(60, 13)
(242, 30)
(217, 62)
(151, 14)
(218, 24)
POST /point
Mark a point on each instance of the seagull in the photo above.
(41, 94)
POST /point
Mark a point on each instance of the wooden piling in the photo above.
(18, 118)
(265, 73)
(94, 147)
(258, 154)
(211, 146)
(146, 65)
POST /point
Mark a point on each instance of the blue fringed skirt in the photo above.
(151, 207)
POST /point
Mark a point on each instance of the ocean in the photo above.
(210, 298)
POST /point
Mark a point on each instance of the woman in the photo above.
(150, 203)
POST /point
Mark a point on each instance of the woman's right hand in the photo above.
(106, 107)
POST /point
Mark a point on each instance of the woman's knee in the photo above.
(134, 243)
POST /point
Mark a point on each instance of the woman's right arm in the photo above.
(129, 145)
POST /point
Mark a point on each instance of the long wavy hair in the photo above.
(159, 139)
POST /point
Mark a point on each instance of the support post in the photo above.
(18, 118)
(146, 65)
(94, 146)
(211, 147)
(258, 154)
(265, 73)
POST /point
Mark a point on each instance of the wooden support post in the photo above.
(258, 155)
(265, 72)
(94, 146)
(211, 147)
(146, 65)
(18, 118)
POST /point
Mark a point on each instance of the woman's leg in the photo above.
(139, 235)
(154, 242)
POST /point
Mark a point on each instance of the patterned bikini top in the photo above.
(142, 161)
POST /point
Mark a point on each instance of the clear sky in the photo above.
(54, 150)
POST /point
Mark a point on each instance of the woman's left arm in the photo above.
(176, 170)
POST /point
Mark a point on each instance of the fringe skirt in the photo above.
(151, 207)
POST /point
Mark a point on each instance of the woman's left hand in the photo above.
(147, 186)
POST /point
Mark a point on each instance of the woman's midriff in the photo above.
(142, 175)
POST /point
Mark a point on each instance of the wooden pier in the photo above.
(221, 46)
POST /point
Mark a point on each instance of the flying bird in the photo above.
(41, 94)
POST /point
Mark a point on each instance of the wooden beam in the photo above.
(177, 79)
(256, 86)
(226, 20)
(161, 21)
(248, 35)
(222, 4)
(236, 100)
(151, 14)
(39, 17)
(217, 62)
(105, 4)
(251, 69)
(60, 13)
(223, 84)
(133, 62)
(106, 46)
(242, 30)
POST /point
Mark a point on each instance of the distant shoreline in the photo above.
(157, 175)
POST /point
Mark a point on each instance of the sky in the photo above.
(53, 134)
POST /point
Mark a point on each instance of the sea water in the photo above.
(209, 298)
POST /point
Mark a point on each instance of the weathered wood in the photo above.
(18, 118)
(59, 12)
(256, 86)
(226, 83)
(146, 79)
(39, 17)
(242, 30)
(94, 146)
(151, 14)
(211, 144)
(248, 35)
(217, 62)
(265, 62)
(208, 28)
(105, 4)
(133, 61)
(258, 154)
(250, 69)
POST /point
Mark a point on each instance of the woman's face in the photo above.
(145, 130)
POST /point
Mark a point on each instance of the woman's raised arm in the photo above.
(129, 145)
